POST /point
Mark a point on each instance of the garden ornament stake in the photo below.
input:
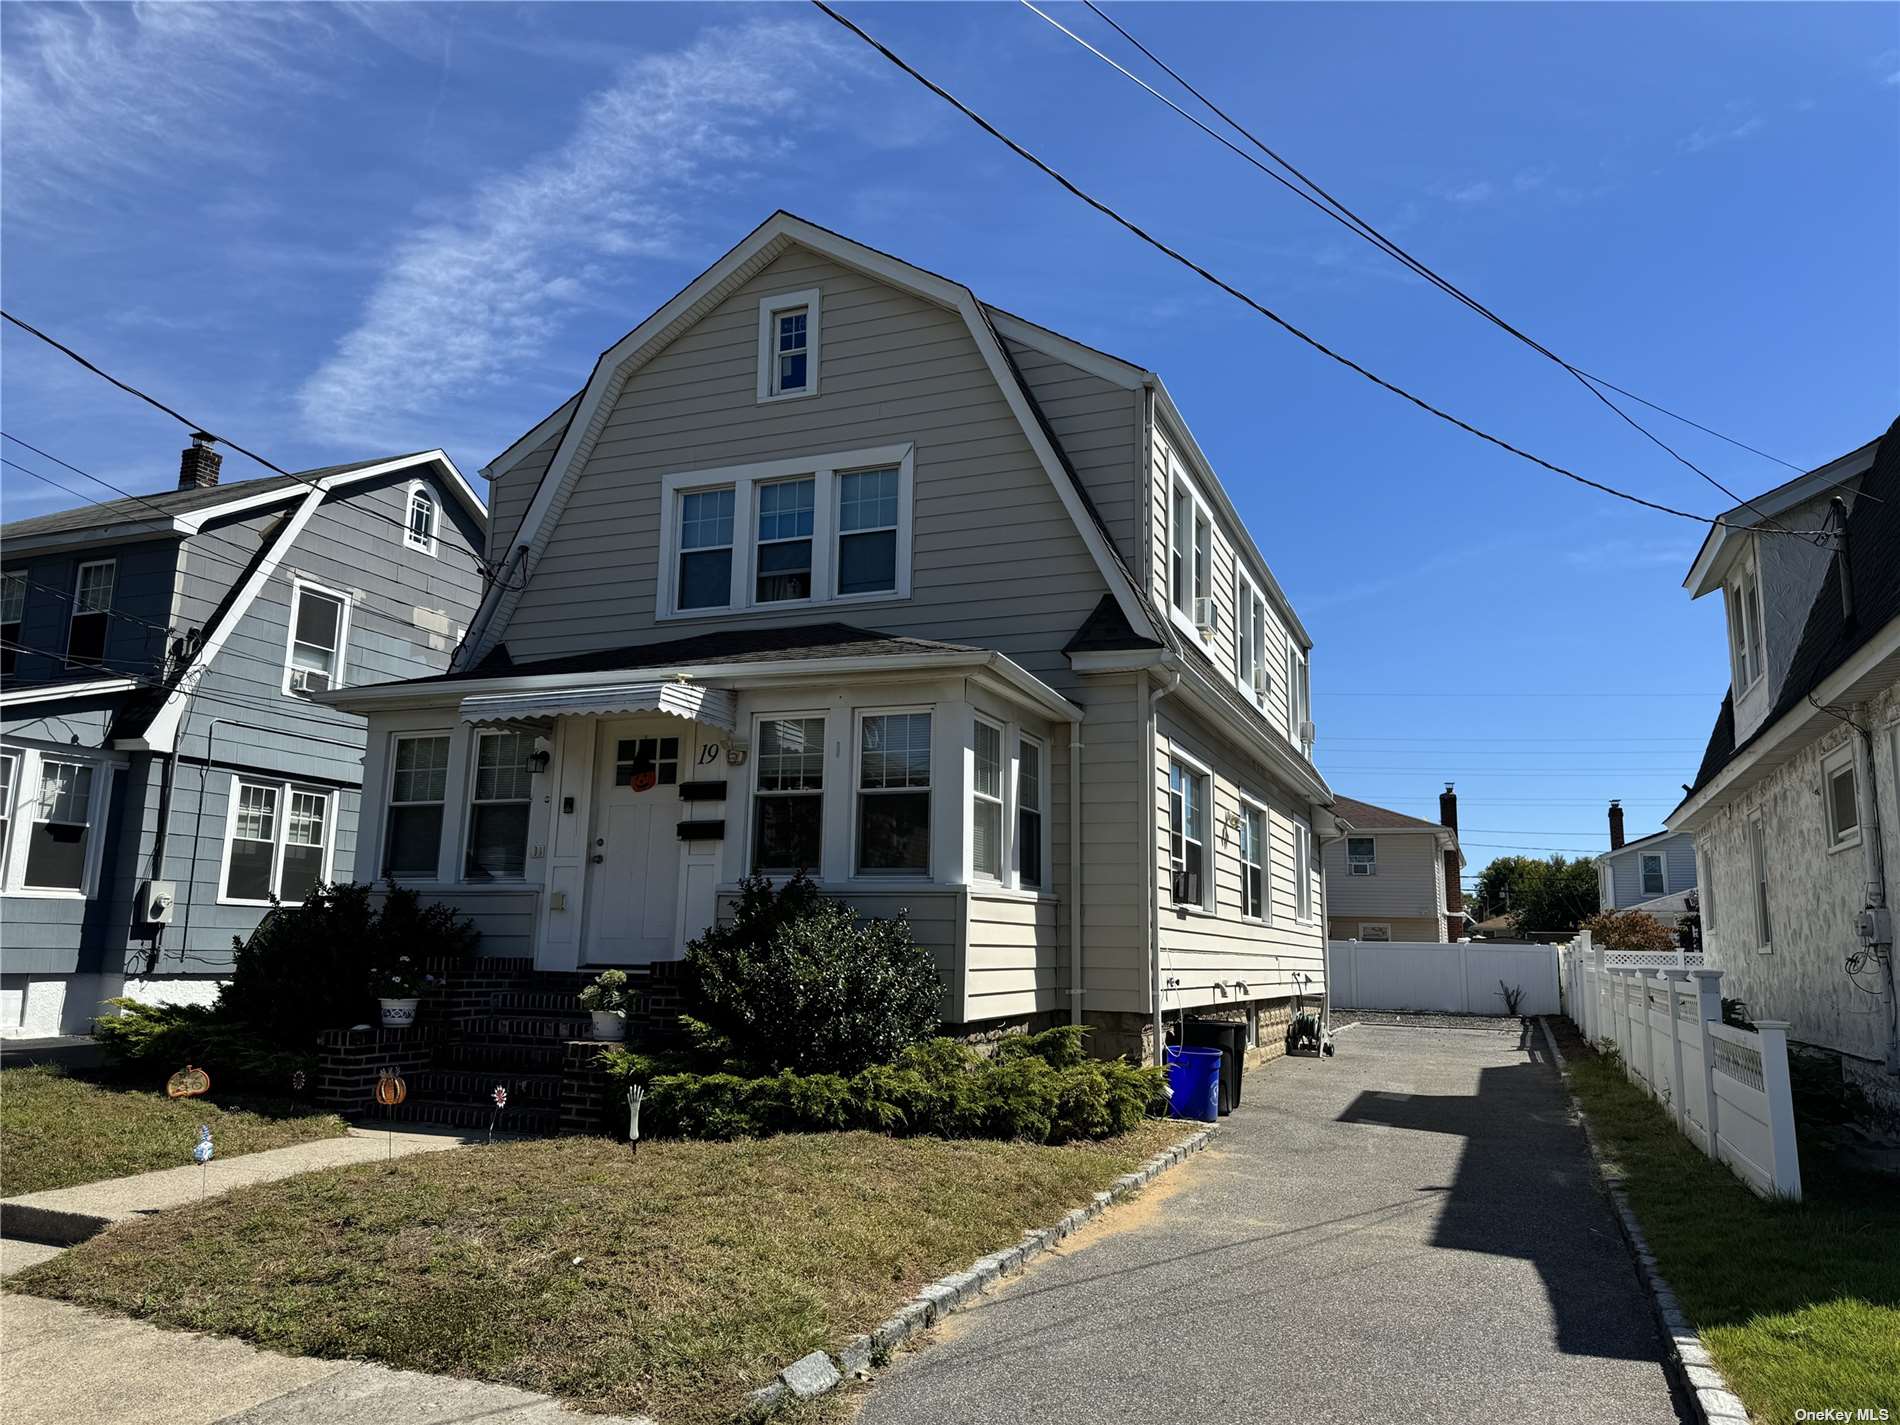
(500, 1096)
(635, 1097)
(391, 1089)
(201, 1154)
(188, 1082)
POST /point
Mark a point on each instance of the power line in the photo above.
(198, 428)
(1336, 210)
(1136, 230)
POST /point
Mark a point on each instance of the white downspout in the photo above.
(1149, 727)
(1075, 872)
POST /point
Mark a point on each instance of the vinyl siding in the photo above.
(1626, 869)
(1115, 847)
(136, 634)
(511, 494)
(1012, 955)
(1410, 880)
(1097, 424)
(995, 559)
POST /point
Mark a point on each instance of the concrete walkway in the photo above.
(1409, 1231)
(64, 1215)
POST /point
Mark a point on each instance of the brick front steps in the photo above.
(490, 1022)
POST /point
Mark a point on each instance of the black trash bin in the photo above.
(1230, 1037)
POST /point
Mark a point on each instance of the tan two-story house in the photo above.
(831, 566)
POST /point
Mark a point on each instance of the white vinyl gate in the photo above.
(1460, 978)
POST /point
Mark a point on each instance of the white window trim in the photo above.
(769, 308)
(297, 585)
(26, 775)
(1004, 801)
(1841, 759)
(743, 481)
(856, 751)
(420, 488)
(280, 831)
(9, 800)
(1384, 925)
(1013, 812)
(823, 794)
(1372, 866)
(1265, 852)
(1662, 867)
(73, 612)
(1207, 903)
(1303, 884)
(1246, 595)
(1748, 578)
(1758, 880)
(472, 754)
(1200, 513)
(449, 790)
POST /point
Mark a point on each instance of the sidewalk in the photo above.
(66, 1215)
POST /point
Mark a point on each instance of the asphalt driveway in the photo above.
(1408, 1231)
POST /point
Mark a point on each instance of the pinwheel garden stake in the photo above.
(201, 1155)
(500, 1096)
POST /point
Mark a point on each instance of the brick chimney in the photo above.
(1616, 826)
(198, 466)
(1454, 874)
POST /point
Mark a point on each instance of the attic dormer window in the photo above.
(1744, 630)
(419, 533)
(788, 345)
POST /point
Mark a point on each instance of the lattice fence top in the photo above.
(1739, 1061)
(1651, 960)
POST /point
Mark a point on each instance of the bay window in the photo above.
(1187, 834)
(499, 800)
(418, 786)
(893, 813)
(788, 803)
(986, 803)
(1029, 814)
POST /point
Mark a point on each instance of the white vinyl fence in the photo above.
(1447, 979)
(1726, 1088)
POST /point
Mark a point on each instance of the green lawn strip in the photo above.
(1799, 1303)
(59, 1130)
(668, 1283)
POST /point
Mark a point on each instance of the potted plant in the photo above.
(606, 1000)
(398, 989)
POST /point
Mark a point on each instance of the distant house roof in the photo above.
(1830, 637)
(1364, 816)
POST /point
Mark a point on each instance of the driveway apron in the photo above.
(1409, 1230)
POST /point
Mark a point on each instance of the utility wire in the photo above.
(1346, 217)
(1136, 230)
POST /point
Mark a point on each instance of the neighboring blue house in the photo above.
(1655, 873)
(163, 772)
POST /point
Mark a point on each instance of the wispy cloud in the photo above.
(1734, 127)
(1624, 553)
(1480, 191)
(466, 300)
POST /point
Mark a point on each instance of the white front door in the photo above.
(634, 856)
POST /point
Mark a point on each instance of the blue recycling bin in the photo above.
(1194, 1083)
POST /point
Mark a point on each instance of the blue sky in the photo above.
(339, 231)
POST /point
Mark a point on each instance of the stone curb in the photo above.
(1708, 1392)
(818, 1372)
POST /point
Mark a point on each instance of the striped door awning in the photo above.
(713, 706)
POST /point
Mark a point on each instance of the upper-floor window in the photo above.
(1299, 698)
(1745, 630)
(1654, 881)
(419, 533)
(1187, 834)
(783, 559)
(1362, 856)
(1190, 556)
(788, 803)
(1758, 864)
(1250, 641)
(788, 345)
(92, 612)
(807, 531)
(1253, 861)
(1841, 796)
(319, 621)
(894, 793)
(12, 617)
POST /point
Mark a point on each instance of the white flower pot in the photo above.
(399, 1013)
(610, 1024)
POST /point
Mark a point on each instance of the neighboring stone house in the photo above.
(831, 566)
(163, 769)
(1390, 876)
(1655, 874)
(1797, 790)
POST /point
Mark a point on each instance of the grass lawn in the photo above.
(1799, 1303)
(668, 1283)
(58, 1130)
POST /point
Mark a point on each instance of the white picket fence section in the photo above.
(1423, 975)
(1727, 1088)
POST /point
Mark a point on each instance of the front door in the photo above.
(634, 859)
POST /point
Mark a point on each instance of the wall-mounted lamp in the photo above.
(539, 759)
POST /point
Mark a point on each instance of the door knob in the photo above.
(598, 858)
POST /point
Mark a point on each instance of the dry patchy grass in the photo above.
(667, 1283)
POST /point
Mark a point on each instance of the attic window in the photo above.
(788, 345)
(1744, 630)
(419, 533)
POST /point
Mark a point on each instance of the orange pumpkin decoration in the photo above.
(391, 1089)
(188, 1082)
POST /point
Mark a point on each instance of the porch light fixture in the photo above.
(539, 759)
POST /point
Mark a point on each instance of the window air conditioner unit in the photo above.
(1187, 887)
(1206, 618)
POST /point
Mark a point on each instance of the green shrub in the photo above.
(939, 1088)
(158, 1040)
(798, 981)
(309, 968)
